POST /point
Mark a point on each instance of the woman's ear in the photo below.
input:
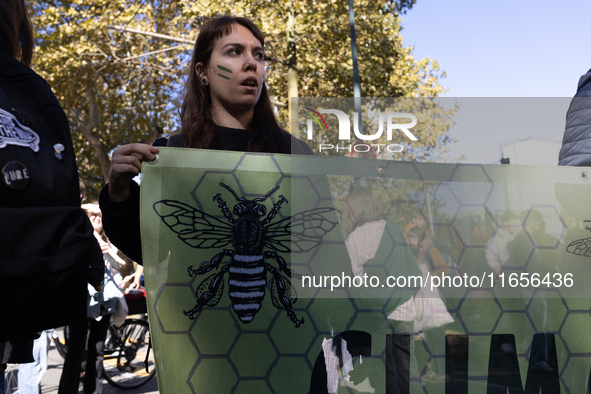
(201, 74)
(200, 70)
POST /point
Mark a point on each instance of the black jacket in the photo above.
(121, 220)
(48, 251)
(576, 142)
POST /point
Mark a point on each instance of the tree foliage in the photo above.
(114, 91)
(110, 96)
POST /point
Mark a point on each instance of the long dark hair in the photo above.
(197, 127)
(16, 31)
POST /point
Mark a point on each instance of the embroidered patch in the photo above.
(12, 132)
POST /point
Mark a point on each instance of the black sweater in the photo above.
(121, 220)
(48, 250)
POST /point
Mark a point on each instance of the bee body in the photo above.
(249, 234)
(247, 279)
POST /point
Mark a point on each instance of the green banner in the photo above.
(291, 274)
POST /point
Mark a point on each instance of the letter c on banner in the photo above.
(358, 343)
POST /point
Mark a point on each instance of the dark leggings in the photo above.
(93, 379)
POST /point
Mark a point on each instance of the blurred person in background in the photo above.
(90, 334)
(369, 236)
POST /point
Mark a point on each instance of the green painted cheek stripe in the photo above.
(225, 69)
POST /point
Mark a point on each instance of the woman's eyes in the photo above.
(256, 55)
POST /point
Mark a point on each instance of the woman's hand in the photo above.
(126, 163)
(131, 281)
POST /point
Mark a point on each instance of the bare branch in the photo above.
(152, 52)
(157, 35)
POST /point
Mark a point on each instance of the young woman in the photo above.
(226, 107)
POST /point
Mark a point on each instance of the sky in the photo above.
(519, 48)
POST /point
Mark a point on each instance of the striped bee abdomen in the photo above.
(247, 281)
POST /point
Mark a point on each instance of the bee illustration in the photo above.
(249, 235)
(581, 247)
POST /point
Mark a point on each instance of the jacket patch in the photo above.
(12, 132)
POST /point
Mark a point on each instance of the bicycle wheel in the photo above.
(60, 338)
(129, 364)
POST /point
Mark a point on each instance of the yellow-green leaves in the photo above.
(113, 93)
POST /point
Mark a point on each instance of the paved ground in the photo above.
(50, 381)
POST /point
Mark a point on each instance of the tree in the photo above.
(118, 87)
(110, 94)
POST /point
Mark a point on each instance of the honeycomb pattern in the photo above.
(270, 355)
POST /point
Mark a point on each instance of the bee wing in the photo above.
(288, 289)
(204, 286)
(301, 232)
(194, 227)
(580, 247)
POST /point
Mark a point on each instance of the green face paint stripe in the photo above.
(223, 76)
(225, 69)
